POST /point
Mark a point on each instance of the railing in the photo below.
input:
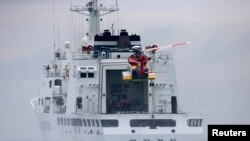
(52, 73)
(131, 112)
(140, 112)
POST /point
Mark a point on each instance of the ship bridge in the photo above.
(106, 43)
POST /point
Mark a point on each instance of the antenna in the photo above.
(58, 37)
(54, 28)
(94, 12)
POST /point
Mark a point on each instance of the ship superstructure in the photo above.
(84, 96)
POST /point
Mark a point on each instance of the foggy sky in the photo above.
(213, 74)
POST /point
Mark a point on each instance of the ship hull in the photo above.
(56, 127)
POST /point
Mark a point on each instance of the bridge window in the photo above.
(194, 122)
(84, 123)
(152, 123)
(76, 122)
(87, 71)
(97, 123)
(50, 83)
(91, 75)
(83, 75)
(58, 82)
(87, 75)
(93, 122)
(109, 123)
(88, 120)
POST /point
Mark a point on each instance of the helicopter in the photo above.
(138, 69)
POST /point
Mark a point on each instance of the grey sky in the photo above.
(213, 74)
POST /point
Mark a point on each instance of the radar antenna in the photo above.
(94, 11)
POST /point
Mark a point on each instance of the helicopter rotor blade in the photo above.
(169, 46)
(178, 44)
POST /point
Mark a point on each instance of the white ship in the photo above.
(112, 89)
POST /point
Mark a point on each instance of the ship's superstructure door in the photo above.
(121, 96)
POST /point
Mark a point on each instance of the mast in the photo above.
(94, 11)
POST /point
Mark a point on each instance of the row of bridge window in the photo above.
(78, 122)
(152, 123)
(87, 122)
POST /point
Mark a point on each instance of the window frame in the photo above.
(112, 125)
(152, 123)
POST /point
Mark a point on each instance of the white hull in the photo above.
(52, 130)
